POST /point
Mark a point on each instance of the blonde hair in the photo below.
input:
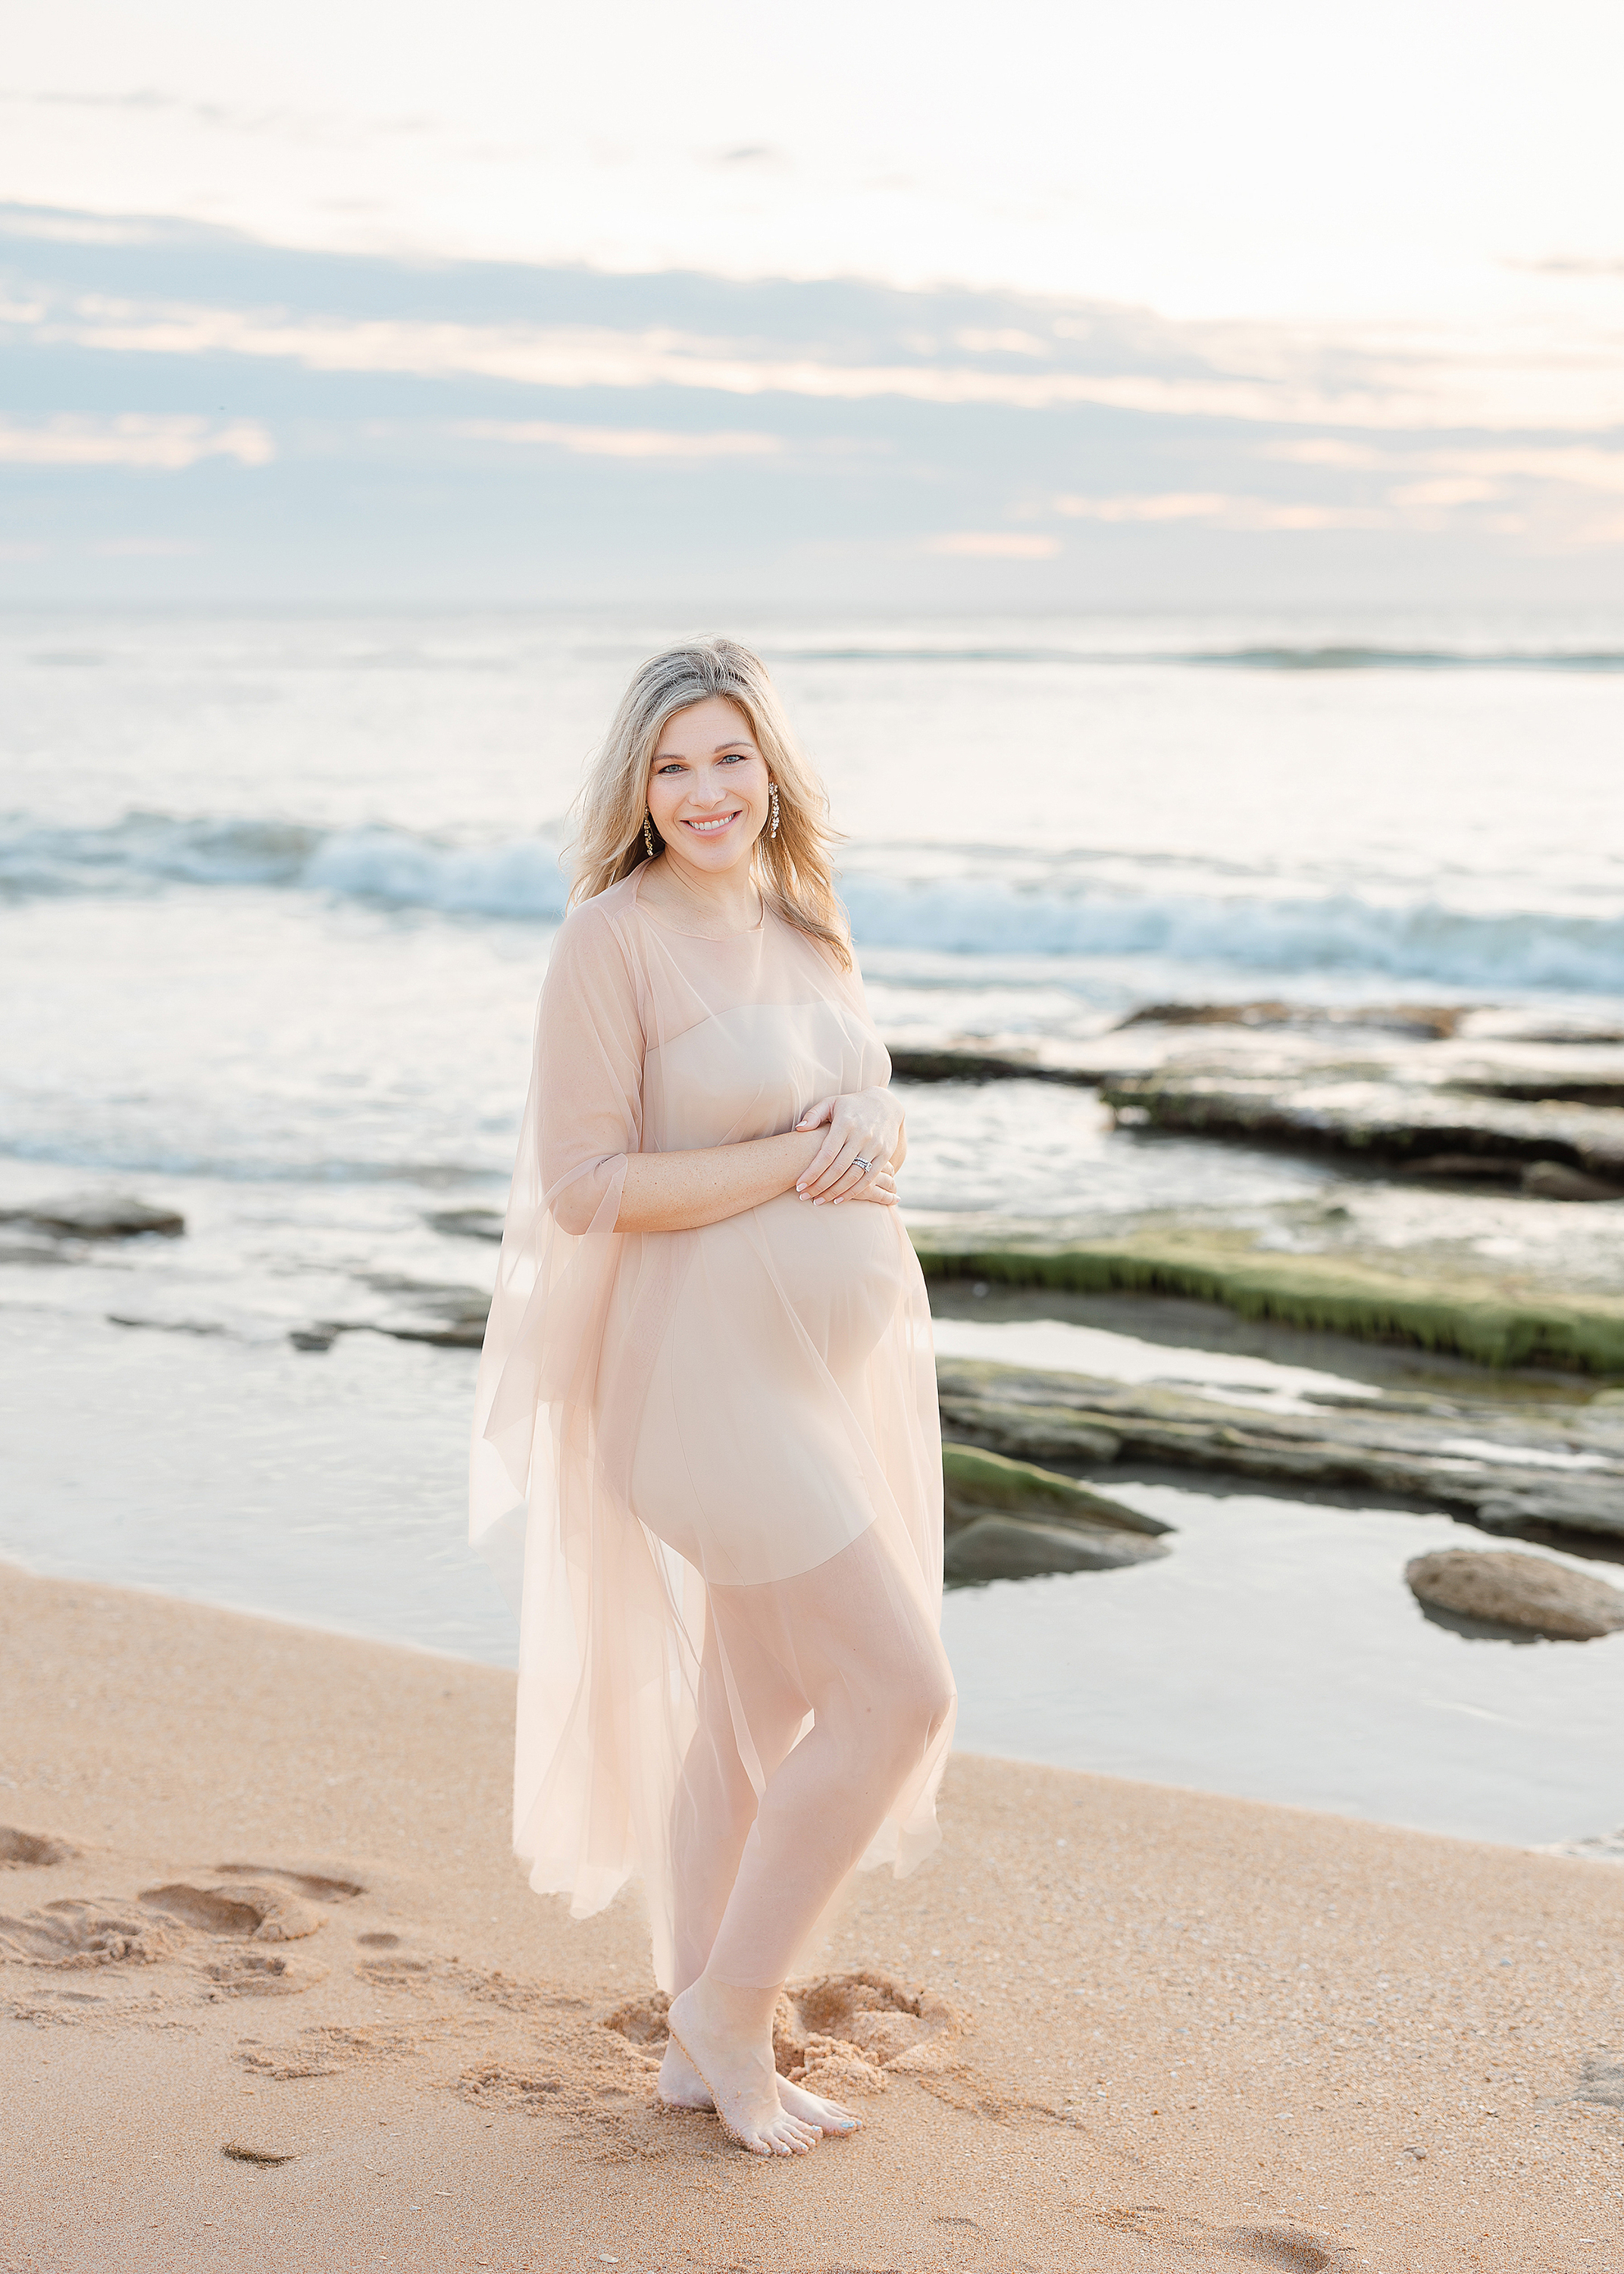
(792, 869)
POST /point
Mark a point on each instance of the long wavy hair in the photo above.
(792, 869)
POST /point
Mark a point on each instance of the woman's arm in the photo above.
(680, 1192)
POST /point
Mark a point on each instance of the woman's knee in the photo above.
(911, 1695)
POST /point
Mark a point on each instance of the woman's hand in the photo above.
(864, 1125)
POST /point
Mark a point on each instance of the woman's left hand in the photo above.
(864, 1125)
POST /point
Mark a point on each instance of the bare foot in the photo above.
(682, 2086)
(727, 2036)
(812, 2108)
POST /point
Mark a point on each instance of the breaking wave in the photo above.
(392, 868)
(1066, 912)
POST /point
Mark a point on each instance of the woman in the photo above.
(707, 1400)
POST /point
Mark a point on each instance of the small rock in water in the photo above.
(1016, 1547)
(1465, 1168)
(97, 1215)
(1554, 1180)
(468, 1222)
(1513, 1589)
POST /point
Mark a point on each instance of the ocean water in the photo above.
(275, 900)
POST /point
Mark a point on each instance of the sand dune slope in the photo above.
(272, 1995)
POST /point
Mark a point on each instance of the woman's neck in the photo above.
(715, 906)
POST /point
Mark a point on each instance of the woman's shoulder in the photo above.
(594, 936)
(602, 917)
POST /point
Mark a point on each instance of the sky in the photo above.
(1035, 306)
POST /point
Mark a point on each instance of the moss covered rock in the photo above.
(1497, 1322)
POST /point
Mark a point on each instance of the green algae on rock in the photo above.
(976, 1480)
(1007, 1520)
(1496, 1321)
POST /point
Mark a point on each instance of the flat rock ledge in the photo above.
(1010, 1519)
(1497, 1322)
(1524, 1592)
(1505, 1473)
(1340, 1112)
(96, 1215)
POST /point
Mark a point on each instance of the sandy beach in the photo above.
(275, 1995)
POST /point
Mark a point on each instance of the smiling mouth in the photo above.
(715, 826)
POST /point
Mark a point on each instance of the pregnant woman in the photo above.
(707, 1403)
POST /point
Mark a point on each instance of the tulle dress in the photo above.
(660, 1415)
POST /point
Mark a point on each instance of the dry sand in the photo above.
(1108, 2026)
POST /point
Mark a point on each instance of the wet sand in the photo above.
(1110, 2025)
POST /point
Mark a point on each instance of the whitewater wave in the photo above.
(1337, 933)
(393, 868)
(1265, 657)
(1061, 912)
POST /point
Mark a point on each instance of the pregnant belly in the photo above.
(840, 1270)
(747, 1454)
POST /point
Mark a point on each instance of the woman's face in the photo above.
(708, 785)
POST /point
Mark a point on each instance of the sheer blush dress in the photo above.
(711, 1459)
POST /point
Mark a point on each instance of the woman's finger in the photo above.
(858, 1145)
(812, 1178)
(833, 1178)
(866, 1161)
(843, 1137)
(816, 1114)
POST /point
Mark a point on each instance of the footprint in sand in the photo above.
(319, 1886)
(1294, 2249)
(74, 1934)
(245, 1908)
(839, 2033)
(253, 1974)
(1290, 2247)
(34, 1851)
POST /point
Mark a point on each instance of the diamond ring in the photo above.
(860, 1164)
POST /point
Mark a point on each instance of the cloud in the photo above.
(1414, 395)
(166, 446)
(144, 548)
(1220, 511)
(1007, 342)
(621, 441)
(995, 544)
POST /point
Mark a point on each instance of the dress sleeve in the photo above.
(560, 1251)
(590, 1048)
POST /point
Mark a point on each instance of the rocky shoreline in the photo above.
(1494, 1319)
(1529, 1474)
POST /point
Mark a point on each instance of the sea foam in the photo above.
(1067, 911)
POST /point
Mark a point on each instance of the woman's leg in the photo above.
(714, 1811)
(853, 1637)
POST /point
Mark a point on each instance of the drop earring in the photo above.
(647, 834)
(772, 793)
